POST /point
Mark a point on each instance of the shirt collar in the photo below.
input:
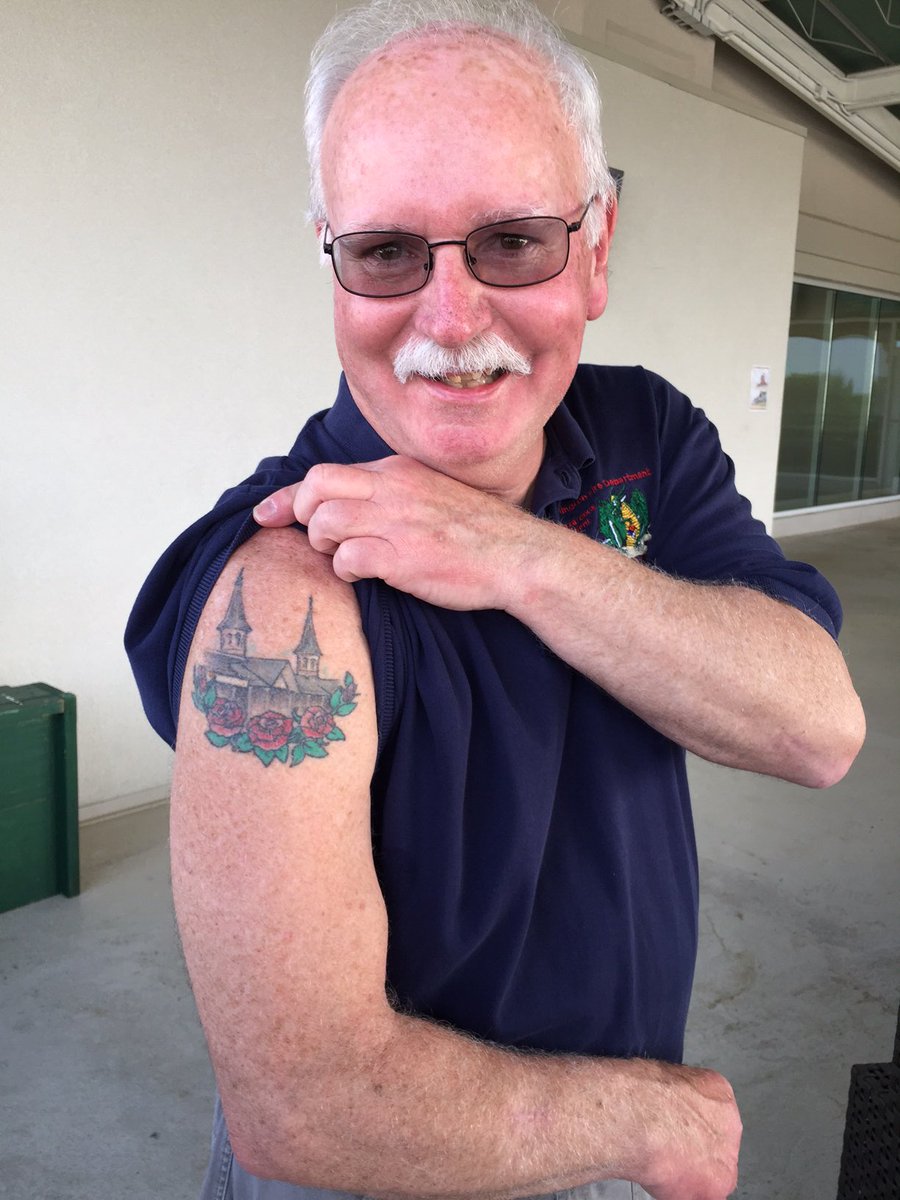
(568, 453)
(350, 429)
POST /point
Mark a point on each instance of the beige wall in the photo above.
(701, 272)
(163, 319)
(165, 323)
(635, 30)
(848, 229)
(849, 221)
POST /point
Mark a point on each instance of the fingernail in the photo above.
(265, 509)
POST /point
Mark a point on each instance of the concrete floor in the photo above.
(105, 1087)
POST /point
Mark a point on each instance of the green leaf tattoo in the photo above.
(276, 709)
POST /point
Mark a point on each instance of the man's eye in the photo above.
(504, 242)
(395, 257)
(376, 252)
(509, 243)
(389, 252)
(513, 242)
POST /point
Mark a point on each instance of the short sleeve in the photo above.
(704, 528)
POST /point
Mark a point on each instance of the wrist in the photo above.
(539, 567)
(521, 566)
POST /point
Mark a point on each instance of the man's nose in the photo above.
(453, 307)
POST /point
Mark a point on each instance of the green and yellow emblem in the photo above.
(624, 523)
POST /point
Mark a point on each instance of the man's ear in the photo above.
(597, 295)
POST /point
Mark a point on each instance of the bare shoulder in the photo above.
(280, 914)
(279, 663)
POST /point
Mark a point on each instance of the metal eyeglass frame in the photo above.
(571, 227)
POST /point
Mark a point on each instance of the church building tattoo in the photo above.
(270, 707)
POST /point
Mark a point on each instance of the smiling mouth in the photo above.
(471, 379)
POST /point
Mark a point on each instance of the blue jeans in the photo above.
(226, 1180)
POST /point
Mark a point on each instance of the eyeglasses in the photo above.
(507, 254)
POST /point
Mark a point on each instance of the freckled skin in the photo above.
(438, 135)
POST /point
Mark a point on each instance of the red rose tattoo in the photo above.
(316, 722)
(307, 710)
(225, 717)
(270, 730)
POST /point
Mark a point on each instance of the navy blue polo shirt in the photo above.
(532, 836)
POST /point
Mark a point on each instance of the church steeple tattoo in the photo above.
(307, 652)
(266, 706)
(233, 628)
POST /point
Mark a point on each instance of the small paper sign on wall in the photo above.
(759, 387)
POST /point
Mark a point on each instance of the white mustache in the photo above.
(484, 354)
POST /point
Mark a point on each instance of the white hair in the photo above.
(359, 32)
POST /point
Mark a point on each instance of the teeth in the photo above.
(471, 379)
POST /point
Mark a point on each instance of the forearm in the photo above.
(735, 676)
(729, 673)
(434, 1113)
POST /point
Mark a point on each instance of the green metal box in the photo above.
(38, 795)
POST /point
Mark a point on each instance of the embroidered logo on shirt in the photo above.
(621, 519)
(623, 522)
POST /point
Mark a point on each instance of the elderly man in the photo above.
(431, 841)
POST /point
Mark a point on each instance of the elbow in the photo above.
(309, 1125)
(253, 1155)
(258, 1142)
(273, 1150)
(828, 763)
(825, 773)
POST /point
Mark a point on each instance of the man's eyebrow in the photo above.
(494, 215)
(488, 217)
(374, 226)
(390, 227)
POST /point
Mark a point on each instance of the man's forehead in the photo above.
(469, 115)
(484, 61)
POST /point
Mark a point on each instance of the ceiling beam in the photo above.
(868, 89)
(855, 103)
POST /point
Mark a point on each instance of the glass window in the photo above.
(847, 394)
(881, 461)
(809, 348)
(840, 426)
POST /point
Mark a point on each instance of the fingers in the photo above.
(397, 520)
(278, 509)
(335, 521)
(332, 482)
(364, 558)
(326, 481)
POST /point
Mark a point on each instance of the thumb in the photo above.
(278, 509)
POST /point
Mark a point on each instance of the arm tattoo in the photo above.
(274, 708)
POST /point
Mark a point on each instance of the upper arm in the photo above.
(279, 909)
